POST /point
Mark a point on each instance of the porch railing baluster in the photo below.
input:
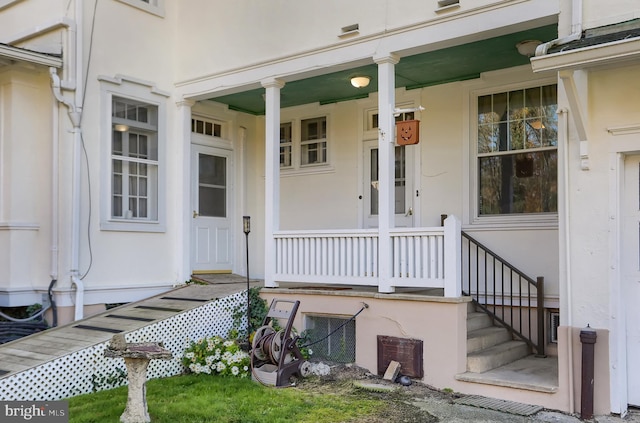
(493, 298)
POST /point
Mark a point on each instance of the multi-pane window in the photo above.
(517, 152)
(303, 143)
(313, 141)
(286, 143)
(374, 121)
(134, 160)
(206, 127)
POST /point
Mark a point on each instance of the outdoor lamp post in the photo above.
(246, 227)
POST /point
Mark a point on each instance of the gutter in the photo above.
(576, 30)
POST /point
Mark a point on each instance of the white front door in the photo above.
(212, 207)
(631, 274)
(404, 206)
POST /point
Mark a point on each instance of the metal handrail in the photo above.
(514, 316)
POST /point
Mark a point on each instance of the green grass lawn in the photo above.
(204, 398)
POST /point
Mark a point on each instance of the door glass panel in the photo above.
(373, 185)
(400, 180)
(212, 186)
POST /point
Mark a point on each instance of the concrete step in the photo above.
(477, 321)
(530, 373)
(496, 356)
(471, 307)
(486, 337)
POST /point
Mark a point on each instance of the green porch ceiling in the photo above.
(458, 63)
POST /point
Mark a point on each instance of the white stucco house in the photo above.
(136, 134)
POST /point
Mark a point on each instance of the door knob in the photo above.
(195, 214)
(409, 212)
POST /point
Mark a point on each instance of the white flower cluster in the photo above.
(216, 356)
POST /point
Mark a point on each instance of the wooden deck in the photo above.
(37, 349)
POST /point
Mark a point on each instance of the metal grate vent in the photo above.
(339, 346)
(407, 352)
(554, 322)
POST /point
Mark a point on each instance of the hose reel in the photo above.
(275, 357)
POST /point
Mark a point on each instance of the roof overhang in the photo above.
(616, 52)
(11, 53)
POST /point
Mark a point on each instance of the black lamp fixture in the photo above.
(246, 227)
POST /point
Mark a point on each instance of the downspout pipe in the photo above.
(576, 30)
(563, 113)
(74, 116)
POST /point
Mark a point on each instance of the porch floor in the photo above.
(531, 373)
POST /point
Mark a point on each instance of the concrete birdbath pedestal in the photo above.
(136, 358)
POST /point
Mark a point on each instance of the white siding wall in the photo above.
(610, 105)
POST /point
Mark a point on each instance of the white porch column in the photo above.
(452, 257)
(386, 167)
(272, 177)
(183, 205)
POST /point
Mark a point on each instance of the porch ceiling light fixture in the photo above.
(360, 81)
(528, 47)
(121, 128)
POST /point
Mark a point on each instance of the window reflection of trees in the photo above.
(517, 151)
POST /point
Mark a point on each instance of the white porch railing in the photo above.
(422, 257)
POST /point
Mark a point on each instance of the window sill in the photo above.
(307, 170)
(131, 226)
(511, 223)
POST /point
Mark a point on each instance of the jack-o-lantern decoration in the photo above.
(407, 132)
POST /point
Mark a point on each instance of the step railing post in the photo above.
(452, 257)
(540, 314)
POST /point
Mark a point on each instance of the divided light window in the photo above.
(286, 144)
(303, 143)
(517, 152)
(313, 141)
(206, 127)
(134, 160)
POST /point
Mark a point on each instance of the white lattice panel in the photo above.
(72, 374)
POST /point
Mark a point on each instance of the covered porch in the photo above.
(324, 243)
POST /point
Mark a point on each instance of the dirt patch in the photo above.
(347, 379)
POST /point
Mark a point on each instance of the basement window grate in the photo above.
(340, 346)
(554, 322)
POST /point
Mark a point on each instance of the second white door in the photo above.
(212, 209)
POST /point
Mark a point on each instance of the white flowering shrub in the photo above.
(216, 355)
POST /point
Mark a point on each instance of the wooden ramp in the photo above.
(53, 343)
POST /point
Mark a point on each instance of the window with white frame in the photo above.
(304, 143)
(134, 161)
(517, 152)
(313, 141)
(155, 7)
(204, 126)
(286, 145)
